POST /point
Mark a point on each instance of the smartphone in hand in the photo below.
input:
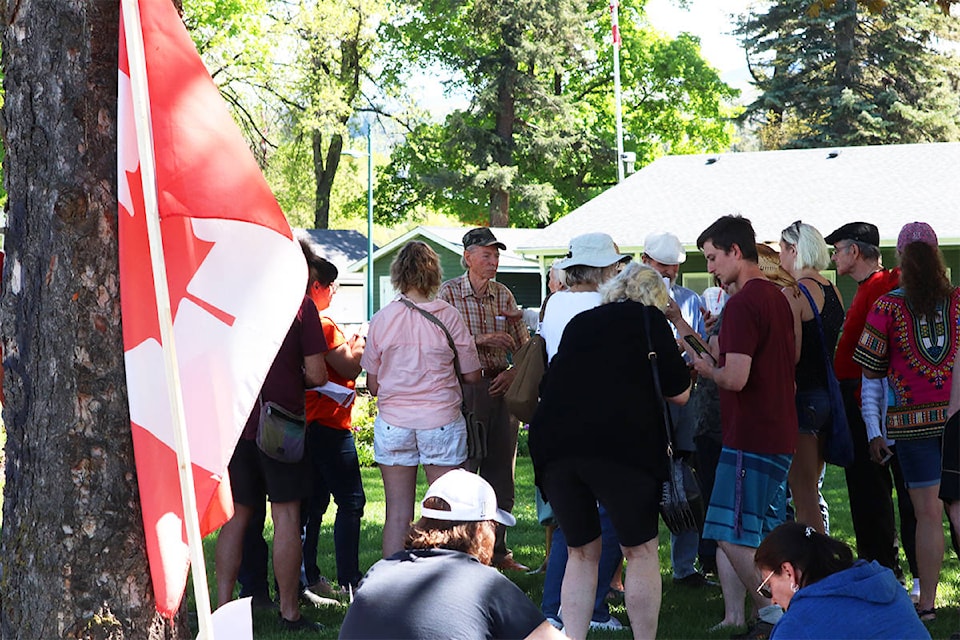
(699, 347)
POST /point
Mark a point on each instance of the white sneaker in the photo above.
(915, 592)
(610, 625)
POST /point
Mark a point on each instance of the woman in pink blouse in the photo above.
(409, 367)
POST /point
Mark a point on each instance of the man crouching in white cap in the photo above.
(441, 584)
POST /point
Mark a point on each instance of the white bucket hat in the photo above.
(665, 248)
(471, 499)
(591, 250)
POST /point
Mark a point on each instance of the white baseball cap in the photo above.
(665, 248)
(591, 250)
(471, 499)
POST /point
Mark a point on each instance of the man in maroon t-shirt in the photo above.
(255, 477)
(755, 374)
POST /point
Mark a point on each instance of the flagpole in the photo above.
(141, 113)
(615, 20)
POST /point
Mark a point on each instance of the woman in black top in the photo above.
(803, 254)
(598, 435)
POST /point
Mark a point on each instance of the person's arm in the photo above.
(872, 400)
(680, 399)
(954, 405)
(314, 370)
(797, 301)
(732, 376)
(373, 386)
(546, 631)
(345, 359)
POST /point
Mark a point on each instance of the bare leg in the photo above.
(400, 491)
(929, 510)
(433, 472)
(642, 593)
(733, 591)
(803, 477)
(579, 588)
(953, 512)
(229, 552)
(740, 559)
(286, 556)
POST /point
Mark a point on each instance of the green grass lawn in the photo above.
(684, 613)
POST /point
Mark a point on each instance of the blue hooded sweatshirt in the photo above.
(864, 601)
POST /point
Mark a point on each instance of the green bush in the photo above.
(364, 413)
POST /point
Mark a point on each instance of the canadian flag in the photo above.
(236, 277)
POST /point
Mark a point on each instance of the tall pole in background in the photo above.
(615, 19)
(369, 221)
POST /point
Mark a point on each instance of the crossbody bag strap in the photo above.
(435, 320)
(654, 366)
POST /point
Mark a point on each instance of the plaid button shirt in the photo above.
(479, 313)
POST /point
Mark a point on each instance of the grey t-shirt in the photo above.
(441, 594)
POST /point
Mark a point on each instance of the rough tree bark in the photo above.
(74, 563)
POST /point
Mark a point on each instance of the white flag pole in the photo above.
(618, 107)
(142, 119)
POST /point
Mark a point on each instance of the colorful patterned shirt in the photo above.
(917, 356)
(480, 315)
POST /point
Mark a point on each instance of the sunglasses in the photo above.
(763, 589)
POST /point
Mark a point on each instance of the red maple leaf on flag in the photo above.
(235, 276)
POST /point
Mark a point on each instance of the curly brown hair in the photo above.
(474, 538)
(416, 266)
(923, 276)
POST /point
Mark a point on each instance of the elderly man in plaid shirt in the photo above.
(491, 314)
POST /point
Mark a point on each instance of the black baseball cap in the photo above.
(858, 231)
(483, 237)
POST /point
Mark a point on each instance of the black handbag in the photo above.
(838, 441)
(476, 430)
(681, 500)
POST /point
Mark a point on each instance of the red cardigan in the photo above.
(873, 287)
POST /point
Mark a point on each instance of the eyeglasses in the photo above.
(763, 589)
(838, 250)
(334, 287)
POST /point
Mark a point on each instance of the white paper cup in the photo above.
(713, 300)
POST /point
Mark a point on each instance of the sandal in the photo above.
(927, 615)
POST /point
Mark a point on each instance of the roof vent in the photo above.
(712, 160)
(832, 155)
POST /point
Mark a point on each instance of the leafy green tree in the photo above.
(538, 135)
(842, 73)
(294, 73)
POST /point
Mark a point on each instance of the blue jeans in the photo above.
(683, 552)
(336, 471)
(610, 559)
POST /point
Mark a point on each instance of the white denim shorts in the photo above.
(444, 446)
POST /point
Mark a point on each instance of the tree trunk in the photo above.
(845, 66)
(503, 152)
(325, 165)
(74, 561)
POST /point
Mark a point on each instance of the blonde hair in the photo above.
(812, 250)
(639, 283)
(769, 261)
(416, 266)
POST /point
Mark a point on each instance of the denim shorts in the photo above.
(919, 461)
(444, 446)
(813, 411)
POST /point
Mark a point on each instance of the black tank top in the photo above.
(811, 372)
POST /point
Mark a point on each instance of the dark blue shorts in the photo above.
(919, 461)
